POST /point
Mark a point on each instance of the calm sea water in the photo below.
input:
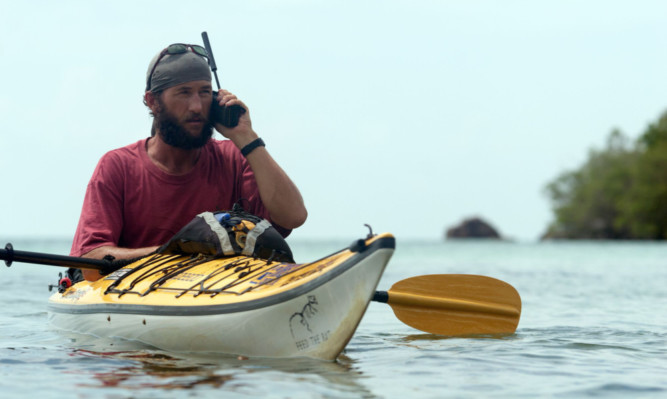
(594, 324)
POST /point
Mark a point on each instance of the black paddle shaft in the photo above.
(381, 296)
(10, 255)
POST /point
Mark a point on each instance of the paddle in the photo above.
(9, 255)
(445, 304)
(455, 304)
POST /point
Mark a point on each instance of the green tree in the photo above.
(585, 201)
(644, 208)
(656, 134)
(619, 193)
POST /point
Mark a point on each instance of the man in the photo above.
(141, 195)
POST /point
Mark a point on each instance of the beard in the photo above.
(172, 132)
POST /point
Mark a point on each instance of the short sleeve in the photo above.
(101, 219)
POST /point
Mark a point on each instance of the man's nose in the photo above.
(196, 104)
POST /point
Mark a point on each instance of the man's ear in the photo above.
(150, 99)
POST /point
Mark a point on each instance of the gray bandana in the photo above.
(174, 69)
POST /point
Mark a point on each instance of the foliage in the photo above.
(619, 193)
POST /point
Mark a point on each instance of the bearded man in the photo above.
(141, 195)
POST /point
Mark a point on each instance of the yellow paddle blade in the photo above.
(456, 304)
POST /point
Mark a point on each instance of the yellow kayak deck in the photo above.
(192, 281)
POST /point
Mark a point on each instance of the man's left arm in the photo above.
(278, 192)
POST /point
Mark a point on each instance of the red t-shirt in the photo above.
(132, 203)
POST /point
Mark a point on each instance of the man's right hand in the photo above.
(117, 253)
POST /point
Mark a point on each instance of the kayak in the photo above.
(237, 305)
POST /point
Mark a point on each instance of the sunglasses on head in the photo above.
(177, 48)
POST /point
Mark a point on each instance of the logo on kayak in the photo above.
(115, 275)
(302, 325)
(287, 273)
(75, 294)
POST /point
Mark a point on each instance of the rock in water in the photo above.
(473, 228)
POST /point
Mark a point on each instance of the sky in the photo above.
(409, 115)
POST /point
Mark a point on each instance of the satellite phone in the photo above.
(227, 116)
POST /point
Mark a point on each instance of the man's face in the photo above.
(182, 114)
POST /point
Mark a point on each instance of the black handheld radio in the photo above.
(227, 116)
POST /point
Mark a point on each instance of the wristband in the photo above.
(251, 146)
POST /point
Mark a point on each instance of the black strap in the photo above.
(251, 146)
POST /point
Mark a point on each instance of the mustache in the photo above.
(196, 117)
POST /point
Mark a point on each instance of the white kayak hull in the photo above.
(314, 320)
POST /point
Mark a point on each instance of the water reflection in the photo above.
(151, 369)
(144, 368)
(436, 337)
